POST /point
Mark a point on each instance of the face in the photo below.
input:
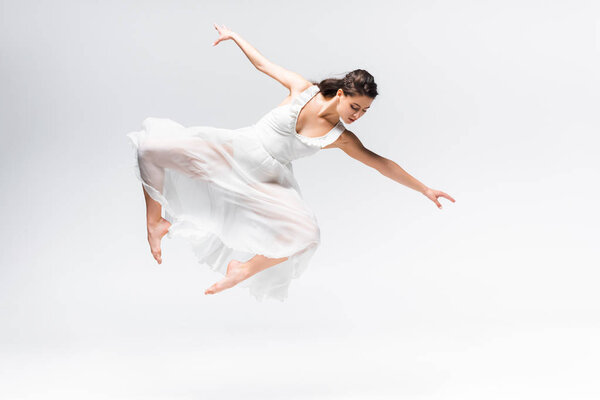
(352, 108)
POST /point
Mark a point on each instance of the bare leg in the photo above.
(238, 271)
(191, 156)
(157, 225)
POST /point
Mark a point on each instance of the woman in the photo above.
(232, 192)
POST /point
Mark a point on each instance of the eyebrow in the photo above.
(359, 105)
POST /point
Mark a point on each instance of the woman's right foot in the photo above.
(156, 231)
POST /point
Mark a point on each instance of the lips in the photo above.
(352, 120)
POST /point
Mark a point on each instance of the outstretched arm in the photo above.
(352, 146)
(291, 80)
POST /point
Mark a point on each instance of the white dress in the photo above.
(232, 192)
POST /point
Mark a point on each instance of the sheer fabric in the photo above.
(232, 192)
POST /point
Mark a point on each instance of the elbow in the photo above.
(385, 166)
(261, 66)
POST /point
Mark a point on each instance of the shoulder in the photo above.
(300, 86)
(346, 140)
(296, 90)
(352, 146)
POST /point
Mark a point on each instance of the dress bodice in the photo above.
(276, 130)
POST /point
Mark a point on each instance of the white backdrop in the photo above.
(494, 296)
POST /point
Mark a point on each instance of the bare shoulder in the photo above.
(301, 85)
(296, 87)
(350, 144)
(345, 141)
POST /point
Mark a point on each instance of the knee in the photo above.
(314, 232)
(145, 149)
(151, 148)
(299, 231)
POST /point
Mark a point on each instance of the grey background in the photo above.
(495, 296)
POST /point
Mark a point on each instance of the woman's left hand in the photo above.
(433, 195)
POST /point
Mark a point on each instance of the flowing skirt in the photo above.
(226, 195)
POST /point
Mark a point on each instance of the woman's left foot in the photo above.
(236, 272)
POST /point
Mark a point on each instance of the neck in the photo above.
(328, 109)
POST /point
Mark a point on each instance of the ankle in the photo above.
(248, 270)
(153, 222)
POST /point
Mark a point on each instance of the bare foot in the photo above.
(236, 272)
(156, 231)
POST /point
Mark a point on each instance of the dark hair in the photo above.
(356, 83)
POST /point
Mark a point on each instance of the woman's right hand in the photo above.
(224, 33)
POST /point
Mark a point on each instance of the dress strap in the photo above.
(305, 96)
(300, 101)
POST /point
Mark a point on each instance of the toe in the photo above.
(210, 290)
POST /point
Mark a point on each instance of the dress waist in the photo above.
(272, 144)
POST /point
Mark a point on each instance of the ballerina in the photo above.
(233, 191)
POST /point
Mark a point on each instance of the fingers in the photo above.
(218, 28)
(442, 194)
(222, 28)
(447, 196)
(434, 194)
(219, 39)
(221, 35)
(433, 197)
